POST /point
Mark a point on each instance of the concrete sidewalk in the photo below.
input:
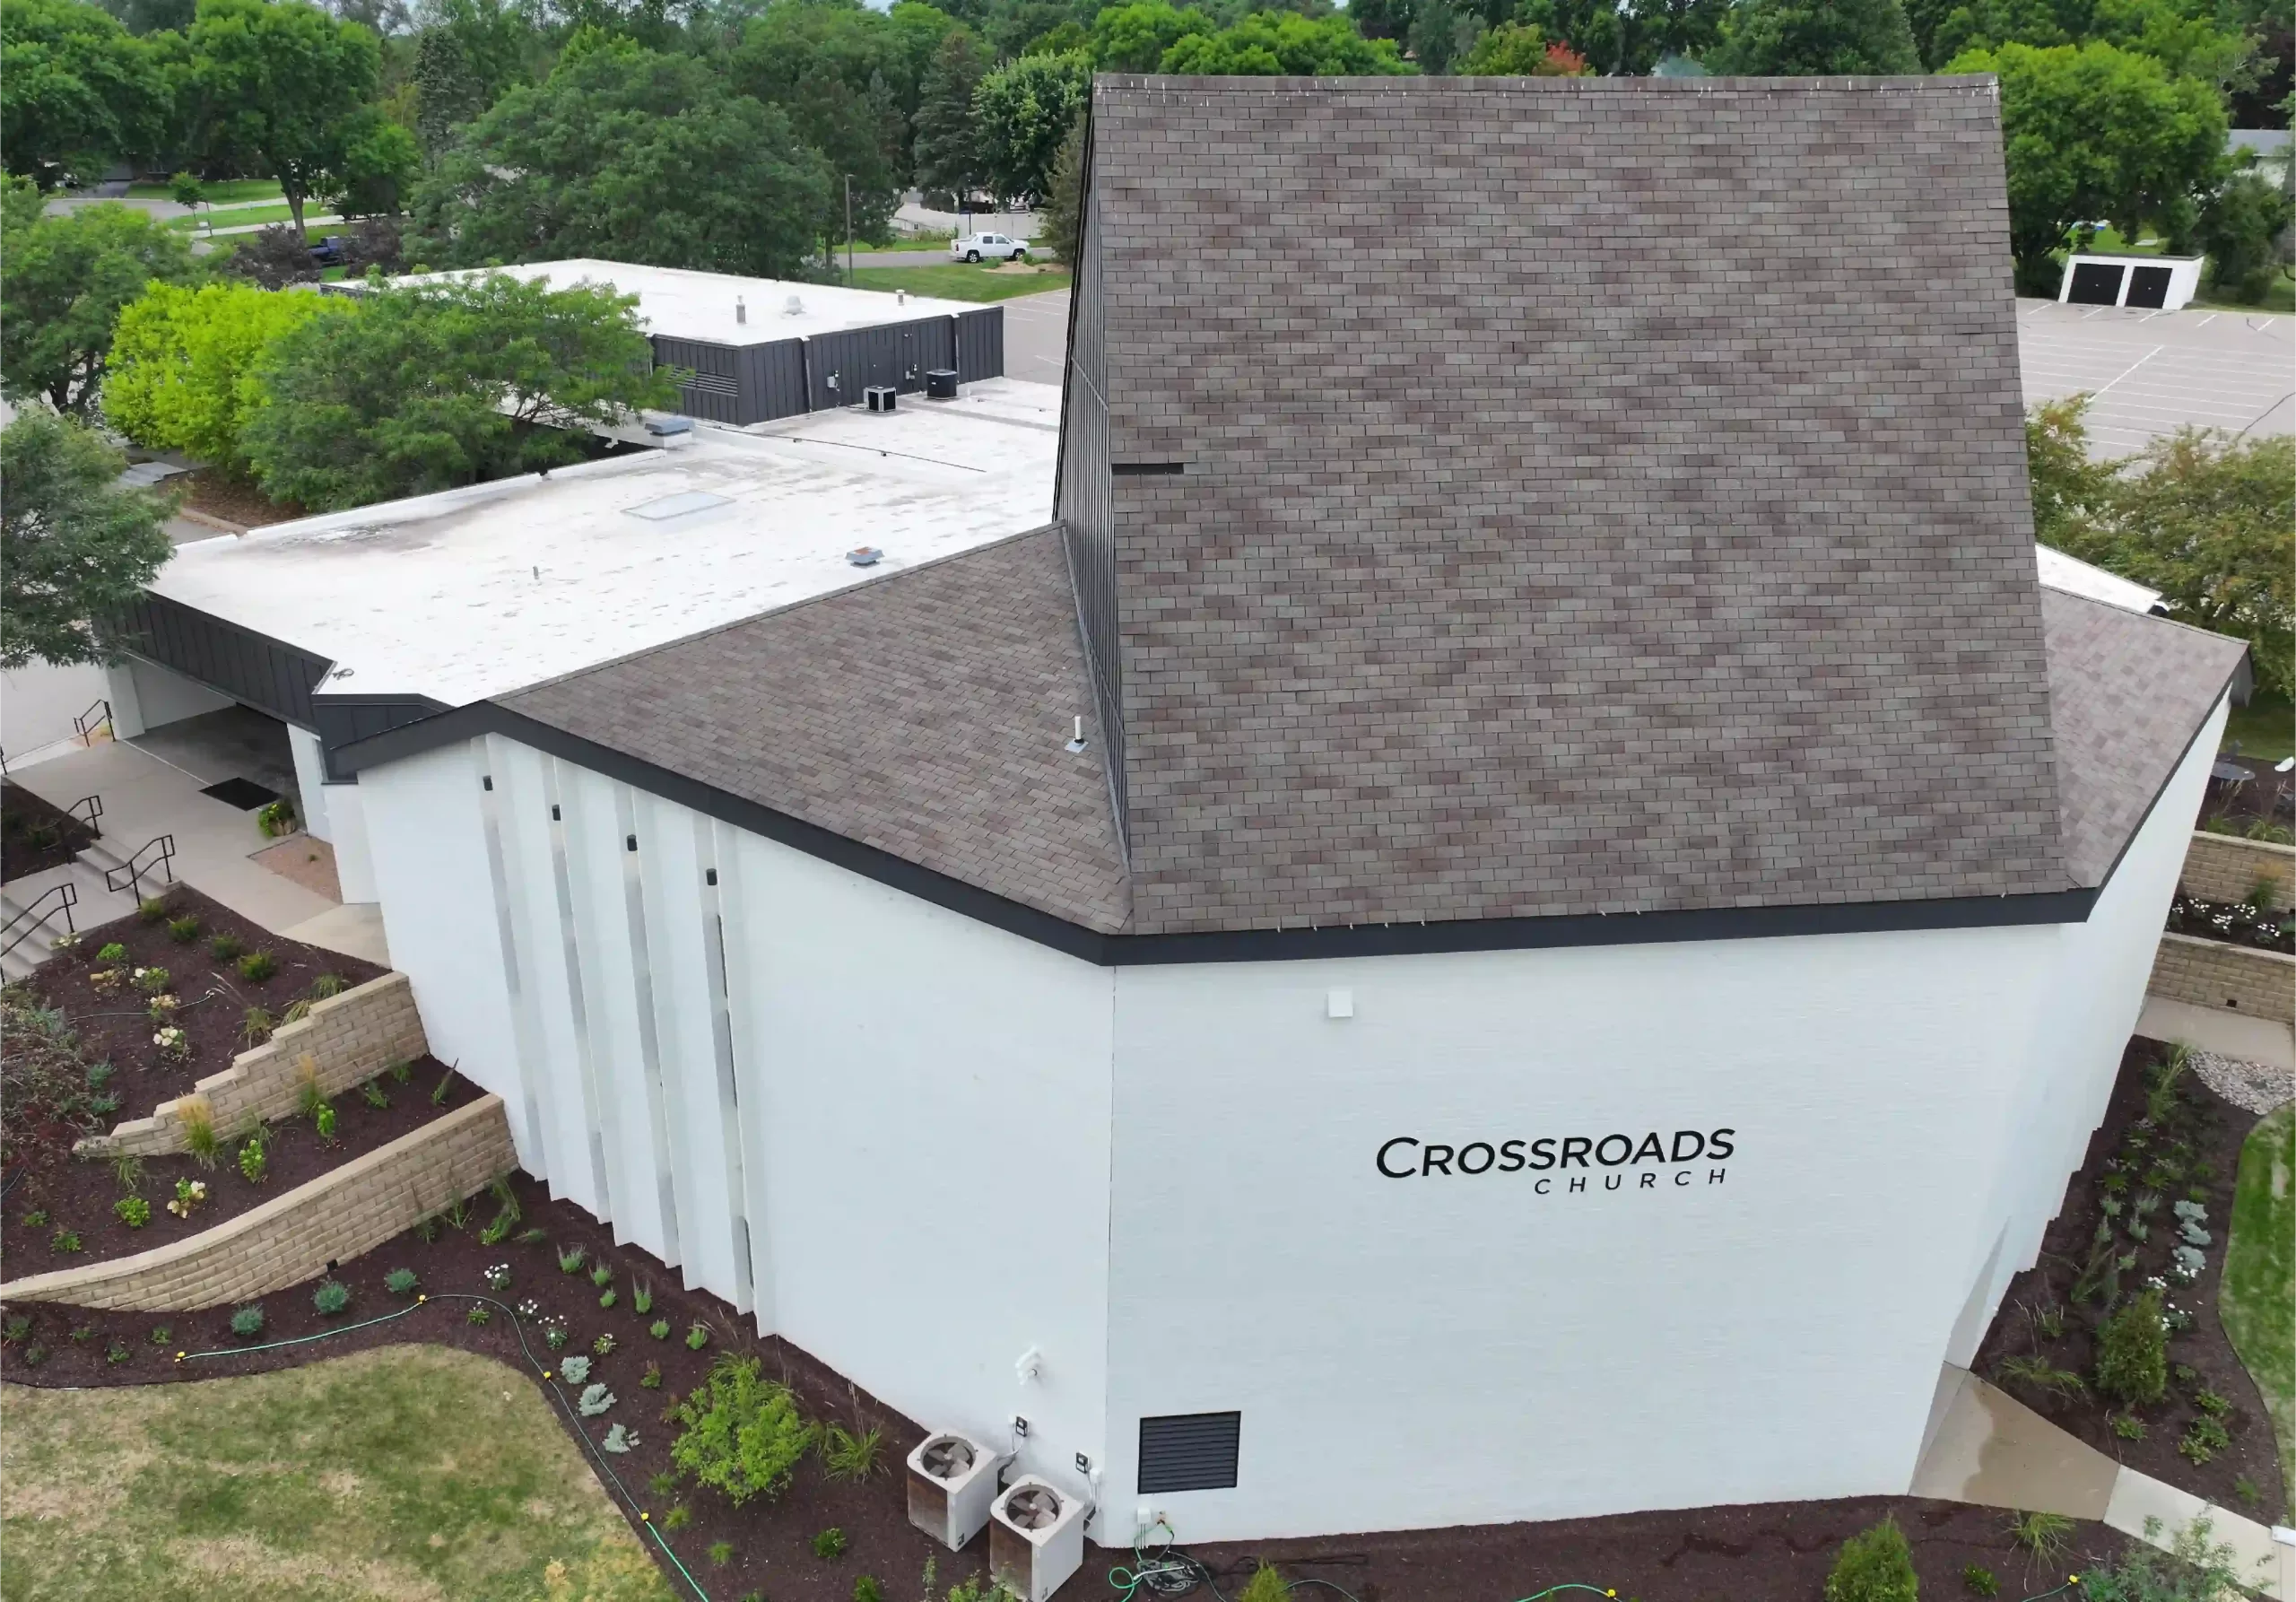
(1984, 1447)
(2213, 1029)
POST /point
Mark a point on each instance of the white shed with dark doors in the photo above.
(2152, 283)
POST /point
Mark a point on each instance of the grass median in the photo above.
(959, 280)
(400, 1472)
(2258, 1302)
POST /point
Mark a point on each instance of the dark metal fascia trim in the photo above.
(1240, 945)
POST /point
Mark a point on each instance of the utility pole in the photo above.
(848, 231)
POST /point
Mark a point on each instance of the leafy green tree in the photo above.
(378, 168)
(2184, 40)
(76, 91)
(287, 83)
(21, 204)
(413, 389)
(468, 56)
(1805, 38)
(1875, 1565)
(2093, 131)
(2070, 487)
(1133, 39)
(1519, 51)
(143, 17)
(634, 156)
(1022, 112)
(75, 546)
(2244, 228)
(63, 281)
(823, 64)
(1271, 43)
(1442, 32)
(182, 370)
(947, 150)
(1063, 215)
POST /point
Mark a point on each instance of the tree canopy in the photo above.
(63, 281)
(412, 389)
(1284, 43)
(79, 90)
(288, 84)
(1020, 114)
(1520, 51)
(182, 369)
(633, 155)
(2091, 131)
(1802, 39)
(75, 546)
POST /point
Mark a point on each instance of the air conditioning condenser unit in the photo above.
(951, 1481)
(1036, 1537)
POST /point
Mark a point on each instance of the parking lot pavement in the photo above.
(2148, 372)
(1036, 337)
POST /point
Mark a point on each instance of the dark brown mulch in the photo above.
(45, 1182)
(2233, 923)
(36, 835)
(213, 998)
(2213, 1128)
(1766, 1554)
(228, 500)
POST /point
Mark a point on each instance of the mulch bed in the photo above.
(2232, 924)
(36, 835)
(212, 994)
(228, 500)
(1774, 1554)
(2213, 1128)
(49, 1189)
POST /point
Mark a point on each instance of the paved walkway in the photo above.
(146, 796)
(1987, 1448)
(2213, 1029)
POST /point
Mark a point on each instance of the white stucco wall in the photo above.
(38, 702)
(144, 695)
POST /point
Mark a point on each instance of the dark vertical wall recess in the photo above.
(1191, 1451)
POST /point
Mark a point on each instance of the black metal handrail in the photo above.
(95, 806)
(66, 896)
(96, 717)
(135, 867)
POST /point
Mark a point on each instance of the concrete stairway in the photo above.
(98, 904)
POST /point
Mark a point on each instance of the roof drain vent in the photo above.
(865, 556)
(793, 307)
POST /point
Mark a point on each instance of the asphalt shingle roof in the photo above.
(1598, 495)
(2126, 694)
(925, 714)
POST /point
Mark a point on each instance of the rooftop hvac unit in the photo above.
(881, 397)
(941, 384)
(1036, 1537)
(951, 1481)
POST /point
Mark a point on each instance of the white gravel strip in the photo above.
(2254, 1086)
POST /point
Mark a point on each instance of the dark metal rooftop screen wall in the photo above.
(1189, 1451)
(229, 659)
(342, 718)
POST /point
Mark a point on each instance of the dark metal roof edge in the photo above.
(1240, 945)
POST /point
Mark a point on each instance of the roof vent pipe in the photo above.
(793, 307)
(741, 309)
(901, 297)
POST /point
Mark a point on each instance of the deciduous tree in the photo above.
(1020, 114)
(1802, 39)
(2092, 132)
(287, 83)
(947, 148)
(423, 387)
(1519, 51)
(77, 91)
(182, 372)
(1133, 39)
(63, 281)
(1283, 43)
(75, 546)
(634, 156)
(468, 55)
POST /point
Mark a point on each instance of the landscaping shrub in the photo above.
(2193, 1569)
(2133, 1352)
(152, 910)
(698, 1337)
(258, 966)
(224, 948)
(2040, 1535)
(1979, 1580)
(1875, 1565)
(1266, 1585)
(846, 1455)
(246, 1322)
(659, 1329)
(133, 1211)
(255, 1025)
(331, 1298)
(111, 951)
(570, 1259)
(829, 1545)
(575, 1368)
(401, 1281)
(864, 1590)
(183, 931)
(743, 1434)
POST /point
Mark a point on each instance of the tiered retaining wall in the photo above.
(2257, 984)
(2220, 868)
(346, 1039)
(297, 1234)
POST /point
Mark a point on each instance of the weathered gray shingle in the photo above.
(2127, 693)
(1598, 495)
(923, 714)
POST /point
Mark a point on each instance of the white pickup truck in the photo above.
(973, 247)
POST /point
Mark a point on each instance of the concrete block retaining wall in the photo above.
(2219, 867)
(295, 1235)
(348, 1038)
(2259, 984)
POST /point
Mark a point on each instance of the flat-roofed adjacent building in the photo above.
(1513, 899)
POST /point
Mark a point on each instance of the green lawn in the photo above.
(958, 281)
(2280, 298)
(2258, 1302)
(400, 1473)
(245, 217)
(223, 192)
(2264, 727)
